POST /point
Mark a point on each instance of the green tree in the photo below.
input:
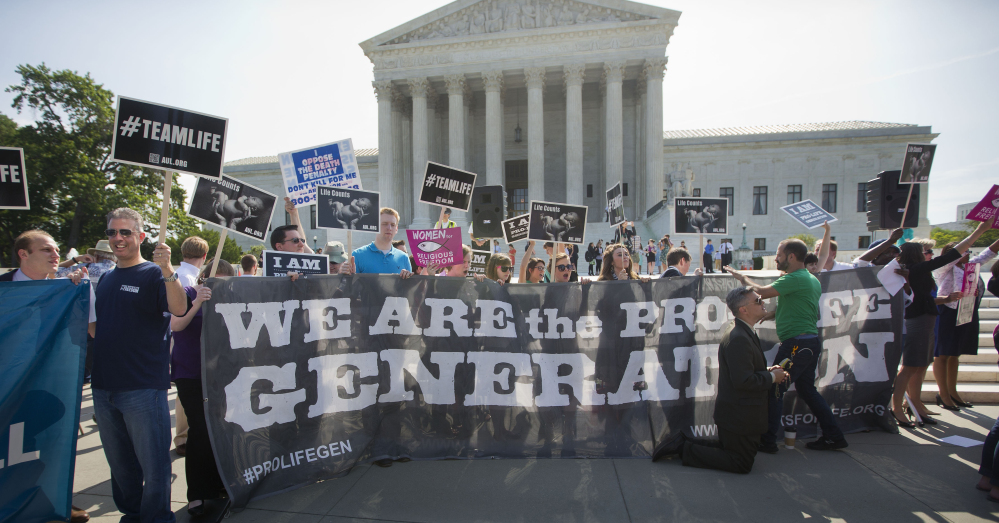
(231, 251)
(945, 236)
(805, 237)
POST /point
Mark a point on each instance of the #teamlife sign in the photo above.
(448, 187)
(234, 205)
(442, 247)
(808, 213)
(351, 209)
(515, 229)
(13, 184)
(333, 164)
(700, 216)
(987, 208)
(163, 137)
(279, 263)
(615, 202)
(917, 162)
(557, 222)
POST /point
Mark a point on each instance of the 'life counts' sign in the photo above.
(13, 184)
(351, 209)
(442, 247)
(447, 187)
(164, 137)
(700, 215)
(333, 165)
(280, 263)
(557, 222)
(808, 213)
(234, 205)
(917, 162)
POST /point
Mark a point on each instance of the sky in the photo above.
(290, 74)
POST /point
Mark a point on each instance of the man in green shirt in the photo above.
(797, 293)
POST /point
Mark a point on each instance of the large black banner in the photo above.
(305, 379)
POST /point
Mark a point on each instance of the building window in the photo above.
(793, 194)
(759, 244)
(863, 242)
(589, 190)
(862, 197)
(624, 189)
(728, 192)
(312, 216)
(759, 200)
(697, 193)
(519, 201)
(829, 197)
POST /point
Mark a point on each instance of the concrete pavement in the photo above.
(880, 477)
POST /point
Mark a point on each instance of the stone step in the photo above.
(975, 392)
(989, 302)
(985, 340)
(988, 314)
(987, 326)
(972, 372)
(985, 355)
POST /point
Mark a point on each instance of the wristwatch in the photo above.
(172, 278)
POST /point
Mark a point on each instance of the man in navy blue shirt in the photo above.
(708, 258)
(131, 373)
(380, 257)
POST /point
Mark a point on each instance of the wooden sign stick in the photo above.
(165, 213)
(218, 252)
(907, 200)
(350, 242)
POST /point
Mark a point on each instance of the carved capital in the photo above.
(655, 68)
(573, 74)
(419, 87)
(614, 71)
(455, 83)
(493, 81)
(383, 90)
(535, 77)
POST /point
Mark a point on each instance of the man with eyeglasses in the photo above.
(741, 404)
(288, 238)
(797, 293)
(132, 369)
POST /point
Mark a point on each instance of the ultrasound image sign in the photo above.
(808, 213)
(13, 184)
(154, 135)
(280, 263)
(447, 187)
(351, 209)
(917, 162)
(234, 205)
(701, 216)
(557, 222)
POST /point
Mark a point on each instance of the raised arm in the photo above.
(765, 291)
(179, 323)
(873, 254)
(528, 251)
(973, 237)
(824, 250)
(293, 217)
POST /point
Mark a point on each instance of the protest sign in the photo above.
(515, 229)
(808, 213)
(700, 216)
(234, 205)
(333, 164)
(472, 370)
(163, 137)
(966, 306)
(13, 181)
(447, 187)
(987, 208)
(615, 202)
(351, 209)
(557, 222)
(280, 263)
(487, 211)
(482, 250)
(917, 162)
(442, 247)
(43, 342)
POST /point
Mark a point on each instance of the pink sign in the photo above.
(442, 247)
(987, 208)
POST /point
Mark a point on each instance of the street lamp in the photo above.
(314, 240)
(744, 246)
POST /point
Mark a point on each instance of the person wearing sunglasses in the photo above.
(288, 238)
(499, 269)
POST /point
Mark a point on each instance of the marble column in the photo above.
(535, 77)
(574, 187)
(614, 144)
(398, 101)
(419, 88)
(468, 123)
(433, 124)
(641, 197)
(654, 182)
(456, 120)
(494, 127)
(386, 149)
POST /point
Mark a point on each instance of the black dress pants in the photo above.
(736, 454)
(203, 481)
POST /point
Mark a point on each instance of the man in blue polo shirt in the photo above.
(380, 257)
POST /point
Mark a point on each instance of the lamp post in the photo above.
(314, 240)
(743, 255)
(744, 246)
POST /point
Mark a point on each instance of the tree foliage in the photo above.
(805, 237)
(945, 236)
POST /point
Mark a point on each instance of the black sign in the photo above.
(352, 209)
(306, 379)
(557, 222)
(164, 137)
(701, 216)
(13, 182)
(487, 211)
(280, 263)
(917, 162)
(481, 252)
(515, 229)
(234, 205)
(447, 187)
(615, 203)
(808, 213)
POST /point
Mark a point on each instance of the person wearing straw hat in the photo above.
(98, 261)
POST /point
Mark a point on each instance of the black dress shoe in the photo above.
(671, 447)
(963, 404)
(198, 511)
(769, 448)
(825, 443)
(384, 462)
(943, 405)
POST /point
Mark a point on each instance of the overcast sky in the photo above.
(290, 74)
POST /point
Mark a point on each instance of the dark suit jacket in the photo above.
(670, 273)
(743, 382)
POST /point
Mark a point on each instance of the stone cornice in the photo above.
(749, 142)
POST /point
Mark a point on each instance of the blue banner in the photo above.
(43, 340)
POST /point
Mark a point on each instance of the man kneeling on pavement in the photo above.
(743, 383)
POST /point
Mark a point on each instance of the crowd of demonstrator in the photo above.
(136, 303)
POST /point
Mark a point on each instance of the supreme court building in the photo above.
(558, 100)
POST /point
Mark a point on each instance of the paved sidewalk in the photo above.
(881, 477)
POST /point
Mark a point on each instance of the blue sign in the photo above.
(808, 213)
(43, 340)
(332, 164)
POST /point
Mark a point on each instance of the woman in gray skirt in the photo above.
(920, 318)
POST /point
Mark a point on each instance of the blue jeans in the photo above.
(804, 354)
(990, 458)
(135, 430)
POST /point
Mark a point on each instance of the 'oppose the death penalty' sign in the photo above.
(280, 263)
(13, 184)
(808, 213)
(448, 187)
(332, 165)
(164, 137)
